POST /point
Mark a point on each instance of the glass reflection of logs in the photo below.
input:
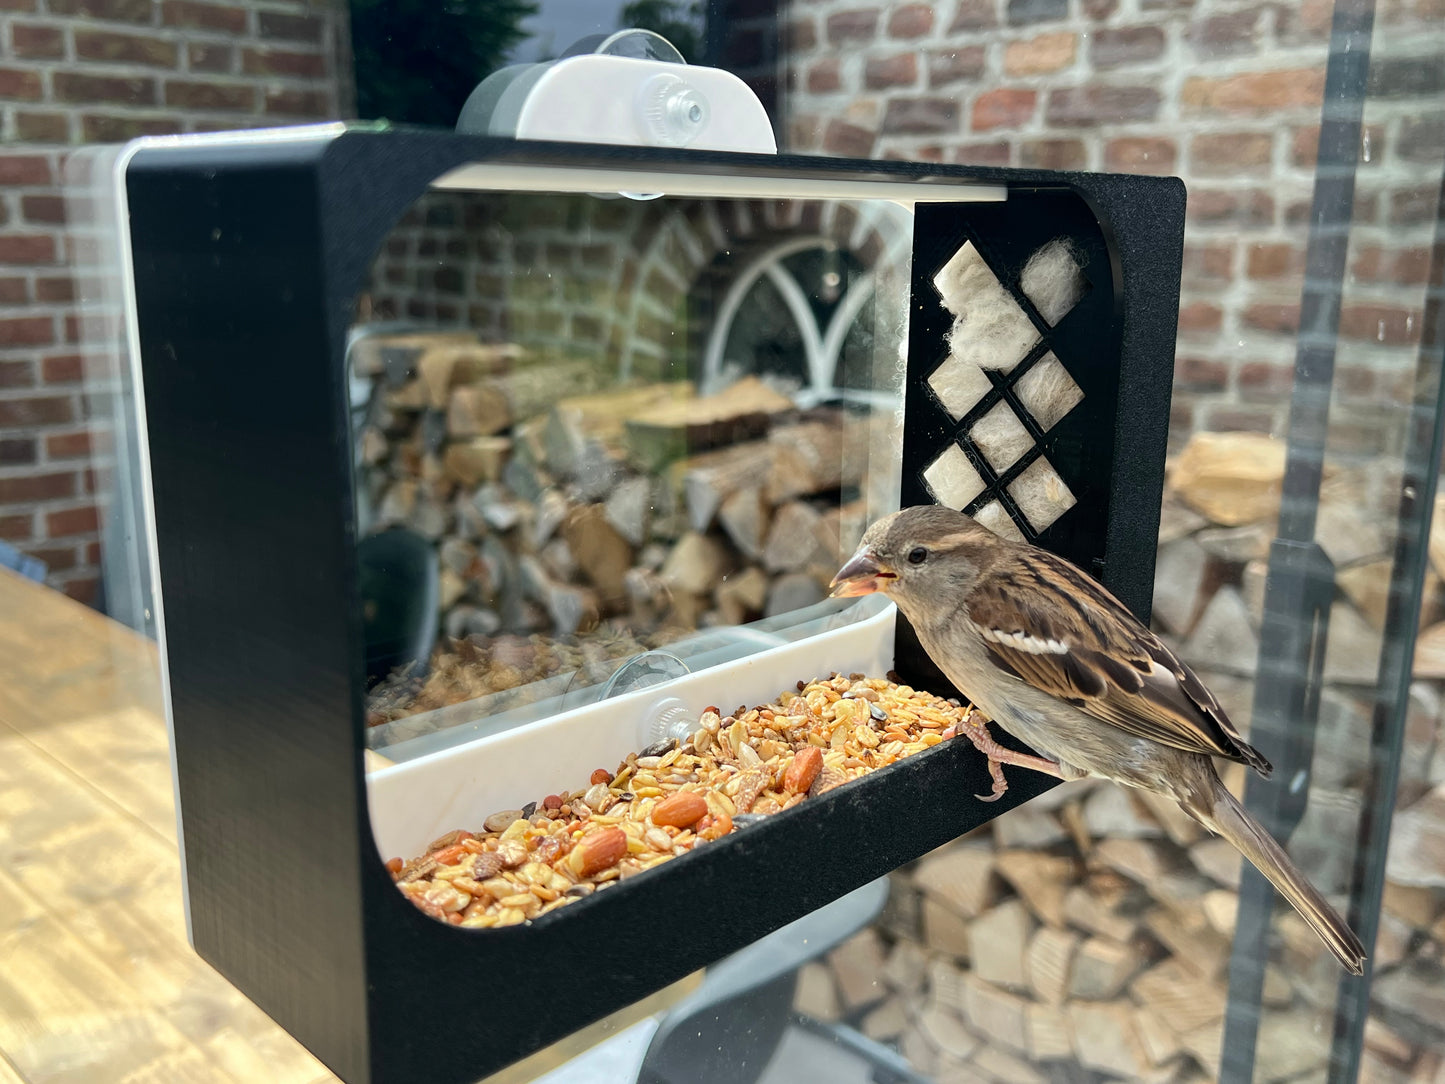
(577, 531)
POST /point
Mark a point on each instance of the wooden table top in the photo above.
(97, 981)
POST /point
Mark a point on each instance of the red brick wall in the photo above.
(83, 71)
(1224, 94)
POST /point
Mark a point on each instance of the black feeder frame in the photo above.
(247, 259)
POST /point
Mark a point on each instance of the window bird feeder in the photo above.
(1015, 363)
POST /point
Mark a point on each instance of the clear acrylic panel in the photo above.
(602, 441)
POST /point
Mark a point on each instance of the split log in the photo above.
(996, 1013)
(497, 507)
(816, 997)
(1180, 996)
(597, 474)
(962, 877)
(1105, 1039)
(886, 1022)
(742, 596)
(374, 447)
(1050, 955)
(906, 966)
(998, 941)
(411, 396)
(709, 479)
(602, 554)
(943, 1028)
(627, 508)
(1001, 1065)
(444, 366)
(944, 930)
(945, 984)
(673, 431)
(745, 516)
(841, 529)
(478, 410)
(1232, 478)
(695, 565)
(1216, 858)
(572, 610)
(1028, 826)
(648, 597)
(531, 390)
(1102, 968)
(480, 459)
(549, 512)
(378, 355)
(1143, 860)
(793, 538)
(1041, 880)
(603, 415)
(460, 556)
(1088, 912)
(807, 459)
(399, 503)
(466, 620)
(450, 589)
(856, 965)
(1050, 1038)
(1155, 1036)
(556, 557)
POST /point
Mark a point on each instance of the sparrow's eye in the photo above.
(917, 555)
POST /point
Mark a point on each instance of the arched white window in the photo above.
(797, 311)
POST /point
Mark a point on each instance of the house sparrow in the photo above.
(1056, 660)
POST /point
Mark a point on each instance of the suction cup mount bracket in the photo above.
(631, 88)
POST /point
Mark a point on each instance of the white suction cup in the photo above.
(631, 88)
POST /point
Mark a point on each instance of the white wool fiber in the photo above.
(1052, 280)
(1001, 437)
(996, 519)
(989, 329)
(951, 478)
(958, 384)
(1041, 494)
(1048, 391)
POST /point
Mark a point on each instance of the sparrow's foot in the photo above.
(998, 756)
(1000, 784)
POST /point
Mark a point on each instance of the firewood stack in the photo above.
(1086, 935)
(567, 516)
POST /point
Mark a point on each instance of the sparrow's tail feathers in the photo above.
(1233, 822)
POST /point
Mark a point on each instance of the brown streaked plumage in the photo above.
(1046, 652)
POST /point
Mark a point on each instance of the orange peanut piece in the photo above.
(803, 769)
(598, 850)
(680, 810)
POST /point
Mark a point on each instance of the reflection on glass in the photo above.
(587, 428)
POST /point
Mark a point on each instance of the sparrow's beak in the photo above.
(862, 575)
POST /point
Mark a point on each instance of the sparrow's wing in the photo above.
(1052, 626)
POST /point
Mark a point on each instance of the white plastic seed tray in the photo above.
(414, 802)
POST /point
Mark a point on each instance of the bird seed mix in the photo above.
(672, 797)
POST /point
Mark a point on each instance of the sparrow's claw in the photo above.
(1000, 785)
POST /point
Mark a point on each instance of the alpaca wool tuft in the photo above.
(951, 478)
(1041, 494)
(1001, 437)
(989, 330)
(1048, 391)
(1053, 281)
